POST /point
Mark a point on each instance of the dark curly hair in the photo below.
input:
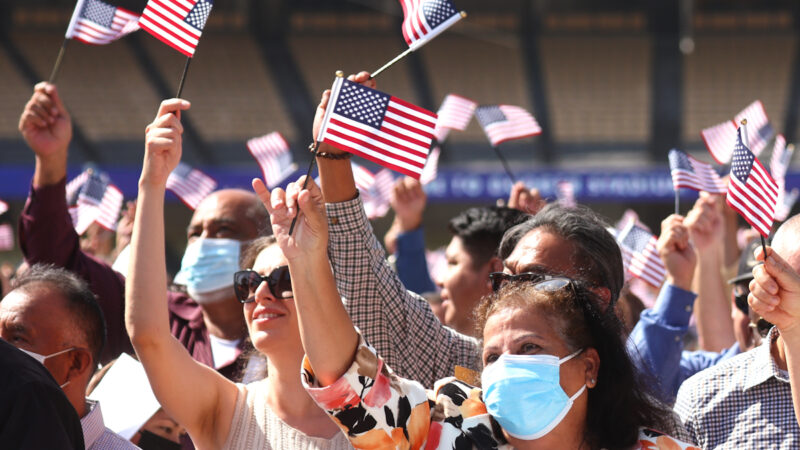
(620, 402)
(481, 229)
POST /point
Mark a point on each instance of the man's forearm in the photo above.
(336, 177)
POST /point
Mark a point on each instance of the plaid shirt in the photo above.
(396, 322)
(95, 434)
(744, 402)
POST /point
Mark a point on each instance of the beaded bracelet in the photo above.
(328, 155)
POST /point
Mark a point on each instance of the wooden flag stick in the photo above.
(389, 64)
(59, 58)
(305, 182)
(505, 164)
(183, 77)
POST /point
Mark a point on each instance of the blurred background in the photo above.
(614, 84)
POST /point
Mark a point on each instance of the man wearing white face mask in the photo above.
(209, 321)
(53, 317)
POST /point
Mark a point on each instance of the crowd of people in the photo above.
(533, 336)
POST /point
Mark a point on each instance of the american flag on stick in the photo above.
(273, 155)
(431, 167)
(751, 190)
(721, 138)
(95, 22)
(74, 186)
(781, 157)
(6, 237)
(177, 23)
(638, 246)
(454, 114)
(190, 185)
(688, 172)
(505, 122)
(425, 19)
(376, 190)
(98, 201)
(377, 126)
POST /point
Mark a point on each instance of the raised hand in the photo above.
(677, 252)
(524, 199)
(163, 142)
(45, 123)
(310, 237)
(408, 203)
(705, 222)
(775, 292)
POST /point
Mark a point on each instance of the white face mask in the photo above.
(42, 358)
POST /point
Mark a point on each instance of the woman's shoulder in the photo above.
(651, 439)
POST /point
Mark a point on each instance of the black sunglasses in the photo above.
(245, 283)
(542, 282)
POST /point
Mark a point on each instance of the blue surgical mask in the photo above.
(208, 266)
(524, 395)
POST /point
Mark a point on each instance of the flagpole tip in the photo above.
(463, 14)
(339, 73)
(744, 121)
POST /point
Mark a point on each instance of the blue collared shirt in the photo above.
(745, 402)
(656, 343)
(412, 267)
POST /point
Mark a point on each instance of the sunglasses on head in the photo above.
(245, 283)
(541, 282)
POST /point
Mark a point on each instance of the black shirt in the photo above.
(34, 412)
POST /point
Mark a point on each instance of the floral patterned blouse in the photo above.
(377, 409)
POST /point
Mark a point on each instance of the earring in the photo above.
(592, 382)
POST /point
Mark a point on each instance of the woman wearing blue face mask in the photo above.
(556, 371)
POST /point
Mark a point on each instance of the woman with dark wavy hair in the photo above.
(556, 372)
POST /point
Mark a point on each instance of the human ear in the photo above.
(80, 364)
(591, 361)
(494, 265)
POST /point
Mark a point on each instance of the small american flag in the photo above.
(177, 23)
(721, 138)
(98, 201)
(638, 246)
(781, 157)
(425, 19)
(565, 193)
(6, 237)
(505, 122)
(455, 113)
(429, 172)
(786, 200)
(376, 190)
(190, 185)
(273, 155)
(751, 190)
(3, 207)
(688, 172)
(74, 186)
(384, 129)
(95, 22)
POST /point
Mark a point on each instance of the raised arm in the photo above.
(408, 204)
(712, 307)
(775, 296)
(329, 337)
(197, 397)
(398, 323)
(656, 341)
(46, 234)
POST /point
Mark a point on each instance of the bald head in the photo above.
(786, 242)
(232, 214)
